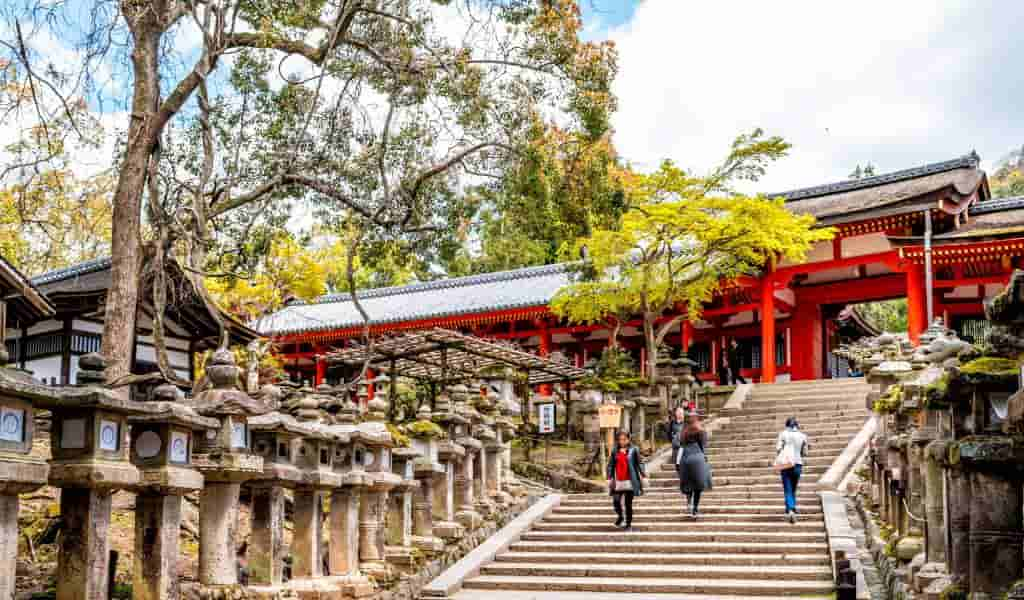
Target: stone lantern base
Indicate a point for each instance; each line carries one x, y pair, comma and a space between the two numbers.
330, 588
449, 530
400, 556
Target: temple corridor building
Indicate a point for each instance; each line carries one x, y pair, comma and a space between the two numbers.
785, 320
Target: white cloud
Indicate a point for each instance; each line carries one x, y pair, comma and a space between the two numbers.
894, 83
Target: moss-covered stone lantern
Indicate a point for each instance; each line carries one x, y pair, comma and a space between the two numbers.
377, 461
275, 438
161, 448
450, 454
425, 436
89, 449
226, 461
20, 473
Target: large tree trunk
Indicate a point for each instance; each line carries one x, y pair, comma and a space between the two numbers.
126, 250
650, 339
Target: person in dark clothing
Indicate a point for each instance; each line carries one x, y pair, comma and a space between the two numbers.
676, 423
625, 478
723, 367
735, 362
692, 463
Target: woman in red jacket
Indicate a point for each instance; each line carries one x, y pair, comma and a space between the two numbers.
625, 478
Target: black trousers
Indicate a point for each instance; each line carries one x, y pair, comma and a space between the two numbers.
617, 498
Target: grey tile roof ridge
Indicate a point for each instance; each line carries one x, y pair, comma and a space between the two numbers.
997, 205
82, 268
967, 161
439, 284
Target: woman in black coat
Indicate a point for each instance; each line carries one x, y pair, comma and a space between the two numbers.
625, 478
692, 463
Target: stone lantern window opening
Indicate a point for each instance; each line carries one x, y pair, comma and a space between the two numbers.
283, 450
998, 404
88, 433
325, 456
180, 447
239, 434
16, 426
160, 444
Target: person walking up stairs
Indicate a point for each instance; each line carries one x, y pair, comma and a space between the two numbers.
742, 547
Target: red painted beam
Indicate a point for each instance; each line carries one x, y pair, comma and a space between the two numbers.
889, 258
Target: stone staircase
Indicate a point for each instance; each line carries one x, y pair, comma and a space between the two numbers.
740, 547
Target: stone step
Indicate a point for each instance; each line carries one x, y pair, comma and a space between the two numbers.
562, 595
622, 537
769, 514
727, 467
660, 548
819, 453
717, 496
836, 383
755, 442
806, 420
812, 431
626, 558
783, 414
647, 585
660, 570
676, 507
810, 397
767, 477
706, 523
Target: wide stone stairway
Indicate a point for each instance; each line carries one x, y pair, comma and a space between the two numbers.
740, 547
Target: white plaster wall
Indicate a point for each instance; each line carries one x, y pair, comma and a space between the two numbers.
963, 291
148, 354
46, 370
45, 327
743, 318
89, 326
832, 275
860, 245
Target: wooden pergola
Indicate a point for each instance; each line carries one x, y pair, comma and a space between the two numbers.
443, 356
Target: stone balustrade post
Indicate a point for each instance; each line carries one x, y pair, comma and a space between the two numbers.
997, 528
958, 490
399, 519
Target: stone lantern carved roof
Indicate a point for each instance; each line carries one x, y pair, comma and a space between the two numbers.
284, 423
225, 398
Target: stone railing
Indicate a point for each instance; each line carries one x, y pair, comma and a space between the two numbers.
946, 465
398, 496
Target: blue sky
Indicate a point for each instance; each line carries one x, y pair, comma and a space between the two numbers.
897, 84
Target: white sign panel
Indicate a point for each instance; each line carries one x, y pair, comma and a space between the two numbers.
12, 424
546, 418
109, 433
179, 447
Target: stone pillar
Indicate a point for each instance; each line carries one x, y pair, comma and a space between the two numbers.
424, 539
344, 526
934, 504
218, 522
997, 533
8, 539
466, 514
371, 530
399, 518
84, 553
958, 512
266, 542
307, 539
494, 469
157, 529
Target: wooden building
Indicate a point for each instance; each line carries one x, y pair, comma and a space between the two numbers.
49, 346
785, 321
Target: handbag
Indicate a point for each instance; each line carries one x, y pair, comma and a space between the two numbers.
623, 486
784, 460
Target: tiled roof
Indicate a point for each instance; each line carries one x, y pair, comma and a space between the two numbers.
82, 268
518, 288
968, 161
1000, 205
25, 298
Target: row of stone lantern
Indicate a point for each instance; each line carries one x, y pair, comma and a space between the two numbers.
384, 502
947, 461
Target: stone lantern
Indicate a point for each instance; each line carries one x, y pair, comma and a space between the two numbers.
275, 437
377, 462
450, 454
161, 448
226, 461
494, 447
429, 472
20, 473
343, 522
89, 463
400, 506
482, 430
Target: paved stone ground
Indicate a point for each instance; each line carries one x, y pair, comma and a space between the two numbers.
740, 547
876, 585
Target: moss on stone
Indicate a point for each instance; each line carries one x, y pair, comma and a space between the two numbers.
953, 592
936, 394
992, 366
425, 429
400, 439
890, 402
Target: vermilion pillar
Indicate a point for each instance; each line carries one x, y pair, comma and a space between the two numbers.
321, 371
917, 321
767, 330
544, 349
687, 335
